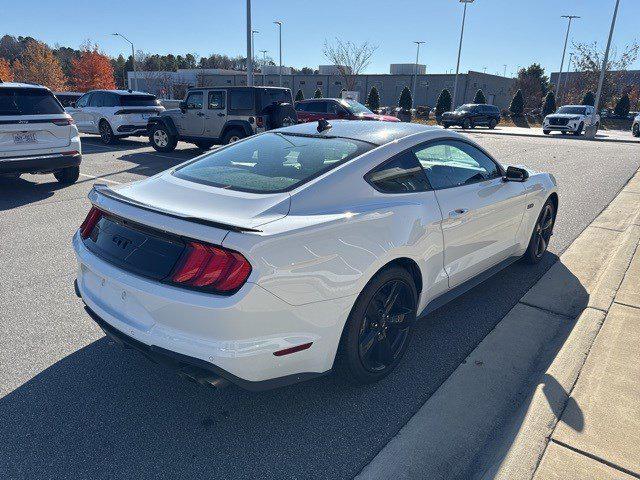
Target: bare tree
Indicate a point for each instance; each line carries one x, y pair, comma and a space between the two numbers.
588, 61
349, 59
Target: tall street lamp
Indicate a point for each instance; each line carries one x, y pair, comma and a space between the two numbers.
133, 58
564, 50
279, 24
253, 47
249, 47
591, 130
415, 72
455, 82
566, 77
264, 57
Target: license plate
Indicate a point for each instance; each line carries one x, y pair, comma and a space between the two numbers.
24, 137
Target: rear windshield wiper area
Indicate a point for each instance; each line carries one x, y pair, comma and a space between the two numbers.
103, 189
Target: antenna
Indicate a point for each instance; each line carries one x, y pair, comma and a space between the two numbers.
323, 125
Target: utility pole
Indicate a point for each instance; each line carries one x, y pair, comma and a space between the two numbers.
566, 77
455, 82
279, 24
564, 50
415, 73
264, 57
249, 47
591, 131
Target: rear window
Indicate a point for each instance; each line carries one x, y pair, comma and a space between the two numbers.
241, 99
273, 162
275, 95
138, 101
28, 101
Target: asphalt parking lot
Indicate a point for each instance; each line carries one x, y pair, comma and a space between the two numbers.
73, 405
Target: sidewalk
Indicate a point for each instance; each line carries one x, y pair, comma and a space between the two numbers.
553, 392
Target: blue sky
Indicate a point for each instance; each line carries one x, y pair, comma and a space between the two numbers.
498, 32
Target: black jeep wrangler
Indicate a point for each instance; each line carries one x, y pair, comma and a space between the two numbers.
214, 115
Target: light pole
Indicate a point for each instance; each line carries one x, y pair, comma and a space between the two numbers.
455, 82
249, 47
253, 48
415, 72
566, 77
279, 24
505, 71
564, 50
133, 58
591, 130
264, 57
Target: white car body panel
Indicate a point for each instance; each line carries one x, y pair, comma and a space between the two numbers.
316, 248
573, 120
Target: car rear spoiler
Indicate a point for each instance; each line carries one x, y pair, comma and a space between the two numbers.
104, 190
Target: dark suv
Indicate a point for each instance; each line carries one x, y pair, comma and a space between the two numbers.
211, 115
471, 115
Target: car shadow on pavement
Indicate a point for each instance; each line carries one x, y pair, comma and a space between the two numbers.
15, 192
106, 412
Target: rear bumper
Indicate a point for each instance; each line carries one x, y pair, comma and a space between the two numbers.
206, 336
39, 163
132, 130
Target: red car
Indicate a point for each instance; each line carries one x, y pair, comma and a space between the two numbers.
333, 108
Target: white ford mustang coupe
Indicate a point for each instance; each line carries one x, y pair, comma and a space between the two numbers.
306, 249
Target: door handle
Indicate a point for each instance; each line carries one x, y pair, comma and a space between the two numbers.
458, 212
221, 114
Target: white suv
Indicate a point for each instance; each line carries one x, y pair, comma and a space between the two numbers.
36, 135
571, 118
114, 114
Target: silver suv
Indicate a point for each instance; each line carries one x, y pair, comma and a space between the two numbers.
221, 115
36, 135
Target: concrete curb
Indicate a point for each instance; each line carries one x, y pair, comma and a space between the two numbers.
492, 418
582, 138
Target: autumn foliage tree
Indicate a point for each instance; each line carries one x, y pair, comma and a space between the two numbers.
5, 71
92, 70
38, 64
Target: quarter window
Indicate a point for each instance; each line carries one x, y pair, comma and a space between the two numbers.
83, 101
241, 99
452, 164
194, 101
216, 100
401, 174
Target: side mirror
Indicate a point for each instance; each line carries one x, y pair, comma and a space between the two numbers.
515, 174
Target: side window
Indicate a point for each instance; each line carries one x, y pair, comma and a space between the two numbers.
301, 107
452, 164
401, 174
217, 100
241, 99
317, 107
96, 99
83, 100
333, 108
194, 101
110, 100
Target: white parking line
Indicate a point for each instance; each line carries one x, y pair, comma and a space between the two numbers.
100, 178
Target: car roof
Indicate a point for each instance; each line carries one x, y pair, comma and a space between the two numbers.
377, 133
316, 99
123, 92
21, 85
238, 87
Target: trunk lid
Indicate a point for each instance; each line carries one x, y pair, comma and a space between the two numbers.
29, 133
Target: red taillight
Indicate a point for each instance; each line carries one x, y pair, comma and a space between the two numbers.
61, 122
92, 218
211, 268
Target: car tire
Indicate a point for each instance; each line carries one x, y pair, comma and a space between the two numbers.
542, 231
546, 132
106, 133
233, 135
446, 125
636, 130
204, 145
379, 328
579, 130
466, 124
492, 123
161, 139
67, 176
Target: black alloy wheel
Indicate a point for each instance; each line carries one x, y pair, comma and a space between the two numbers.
106, 134
379, 328
541, 235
